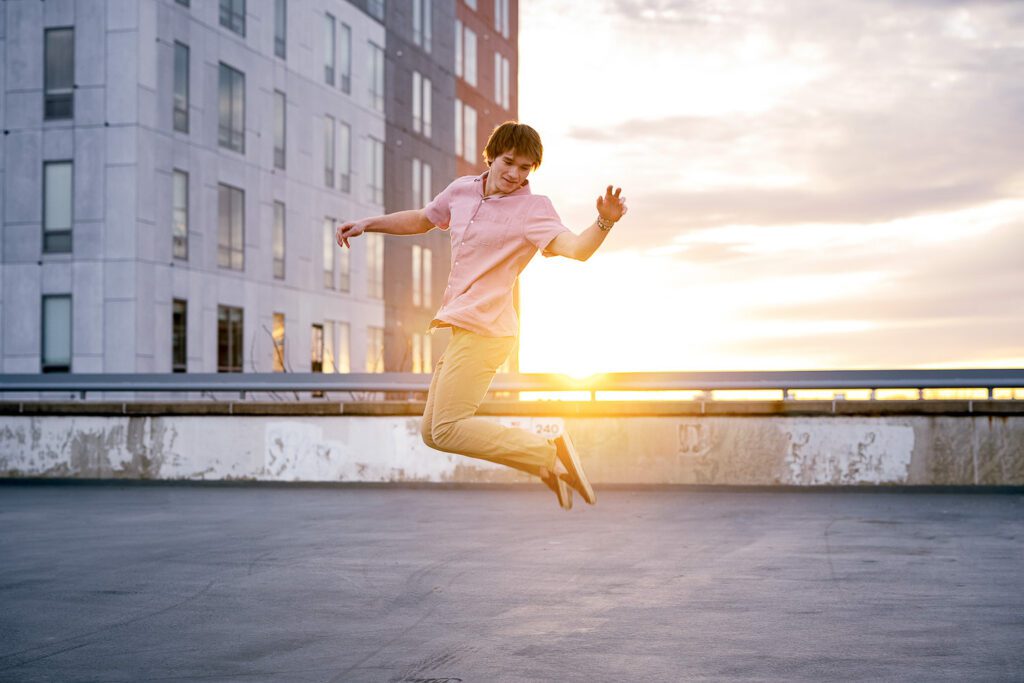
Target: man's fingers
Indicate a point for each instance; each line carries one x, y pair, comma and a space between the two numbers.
617, 191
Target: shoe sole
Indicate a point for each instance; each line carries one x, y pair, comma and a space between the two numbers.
575, 468
562, 492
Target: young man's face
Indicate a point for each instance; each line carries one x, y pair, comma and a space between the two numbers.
509, 171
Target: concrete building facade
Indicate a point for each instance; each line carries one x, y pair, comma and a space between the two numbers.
173, 140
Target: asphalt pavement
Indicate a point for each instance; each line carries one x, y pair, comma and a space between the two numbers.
181, 583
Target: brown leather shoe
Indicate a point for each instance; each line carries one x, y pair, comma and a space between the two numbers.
574, 475
558, 485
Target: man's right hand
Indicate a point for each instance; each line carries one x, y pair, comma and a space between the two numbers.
347, 231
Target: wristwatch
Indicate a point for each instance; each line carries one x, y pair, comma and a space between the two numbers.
603, 224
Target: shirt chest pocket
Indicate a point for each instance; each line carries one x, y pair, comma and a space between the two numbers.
487, 232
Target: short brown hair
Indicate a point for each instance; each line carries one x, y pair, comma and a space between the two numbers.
515, 136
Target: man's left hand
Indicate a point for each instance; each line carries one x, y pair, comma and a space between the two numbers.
611, 206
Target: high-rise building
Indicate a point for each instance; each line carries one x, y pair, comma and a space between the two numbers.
171, 172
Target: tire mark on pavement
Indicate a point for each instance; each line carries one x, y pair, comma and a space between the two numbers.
87, 634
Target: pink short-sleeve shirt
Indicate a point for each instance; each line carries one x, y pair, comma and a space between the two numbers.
493, 238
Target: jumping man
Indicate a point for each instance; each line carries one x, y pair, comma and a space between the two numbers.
496, 225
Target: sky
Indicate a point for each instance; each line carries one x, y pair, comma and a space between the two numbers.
811, 185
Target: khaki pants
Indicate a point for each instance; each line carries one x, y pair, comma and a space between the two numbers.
460, 382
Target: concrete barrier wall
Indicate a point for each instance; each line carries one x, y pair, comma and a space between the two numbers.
651, 444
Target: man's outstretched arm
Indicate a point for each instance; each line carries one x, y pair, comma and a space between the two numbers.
610, 208
412, 222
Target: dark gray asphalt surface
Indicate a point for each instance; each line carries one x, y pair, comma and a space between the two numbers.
167, 583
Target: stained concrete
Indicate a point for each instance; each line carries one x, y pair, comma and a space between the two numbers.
779, 445
184, 583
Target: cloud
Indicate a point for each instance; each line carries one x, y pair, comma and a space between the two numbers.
919, 110
865, 151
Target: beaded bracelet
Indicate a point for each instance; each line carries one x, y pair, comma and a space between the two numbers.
603, 224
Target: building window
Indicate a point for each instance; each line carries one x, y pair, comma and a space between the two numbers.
328, 252
465, 53
421, 184
345, 157
459, 127
343, 353
232, 15
465, 131
422, 28
336, 346
421, 104
55, 354
278, 240
180, 87
328, 151
179, 216
232, 109
375, 166
376, 77
183, 3
422, 273
375, 349
229, 339
281, 28
231, 230
421, 356
375, 8
57, 213
330, 49
375, 265
343, 258
316, 349
501, 80
59, 73
459, 52
278, 336
280, 140
179, 336
471, 4
469, 56
501, 17
346, 58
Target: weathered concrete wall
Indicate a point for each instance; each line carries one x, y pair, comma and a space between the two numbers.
671, 449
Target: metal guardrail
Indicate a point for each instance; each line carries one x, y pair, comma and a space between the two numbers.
617, 381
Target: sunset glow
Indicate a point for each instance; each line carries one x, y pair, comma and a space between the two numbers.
807, 190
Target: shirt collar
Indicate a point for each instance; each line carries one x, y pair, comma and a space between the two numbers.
482, 179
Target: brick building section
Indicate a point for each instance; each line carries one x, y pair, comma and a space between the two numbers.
410, 57
406, 320
481, 97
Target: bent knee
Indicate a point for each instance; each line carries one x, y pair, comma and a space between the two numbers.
425, 434
441, 434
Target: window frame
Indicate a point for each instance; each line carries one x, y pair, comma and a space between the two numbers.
58, 240
58, 100
180, 115
179, 238
229, 137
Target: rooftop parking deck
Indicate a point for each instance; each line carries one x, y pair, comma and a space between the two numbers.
172, 582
